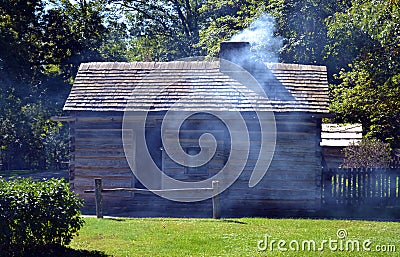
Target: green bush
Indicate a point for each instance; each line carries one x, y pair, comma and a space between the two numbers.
36, 214
368, 153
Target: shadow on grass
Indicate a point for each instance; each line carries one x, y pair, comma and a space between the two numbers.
233, 221
116, 219
59, 251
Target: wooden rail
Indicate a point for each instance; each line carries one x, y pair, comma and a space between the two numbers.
99, 190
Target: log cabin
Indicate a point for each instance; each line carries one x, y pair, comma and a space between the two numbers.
334, 138
297, 96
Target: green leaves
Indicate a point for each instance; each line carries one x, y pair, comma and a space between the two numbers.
36, 213
367, 34
42, 45
162, 30
226, 18
368, 153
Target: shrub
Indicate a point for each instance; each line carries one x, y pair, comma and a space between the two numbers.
368, 153
35, 214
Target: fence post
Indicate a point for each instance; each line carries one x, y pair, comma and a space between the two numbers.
393, 186
215, 200
98, 197
326, 187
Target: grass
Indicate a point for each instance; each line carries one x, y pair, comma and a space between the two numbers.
14, 173
229, 237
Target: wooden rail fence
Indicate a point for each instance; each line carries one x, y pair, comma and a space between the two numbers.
99, 190
377, 187
367, 187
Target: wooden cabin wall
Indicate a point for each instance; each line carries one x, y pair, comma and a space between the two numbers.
332, 156
97, 152
291, 186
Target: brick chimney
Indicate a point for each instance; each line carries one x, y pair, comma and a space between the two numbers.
231, 50
235, 52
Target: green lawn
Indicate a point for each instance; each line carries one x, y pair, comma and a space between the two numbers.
15, 173
33, 173
234, 237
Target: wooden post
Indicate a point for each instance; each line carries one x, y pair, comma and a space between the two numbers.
326, 186
98, 197
392, 190
215, 200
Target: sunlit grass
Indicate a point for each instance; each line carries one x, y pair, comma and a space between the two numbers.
228, 237
16, 173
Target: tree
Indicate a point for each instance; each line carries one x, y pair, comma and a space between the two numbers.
162, 30
302, 24
76, 32
19, 51
42, 44
227, 18
369, 91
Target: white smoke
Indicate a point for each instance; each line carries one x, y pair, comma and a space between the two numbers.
261, 36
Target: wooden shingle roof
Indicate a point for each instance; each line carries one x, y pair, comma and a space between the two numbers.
196, 86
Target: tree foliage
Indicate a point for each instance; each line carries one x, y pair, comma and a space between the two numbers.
225, 19
162, 30
42, 44
300, 24
370, 87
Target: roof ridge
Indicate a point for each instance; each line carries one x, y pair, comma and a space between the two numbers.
149, 65
295, 66
191, 65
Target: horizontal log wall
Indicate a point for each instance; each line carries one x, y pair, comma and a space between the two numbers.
97, 152
290, 187
332, 157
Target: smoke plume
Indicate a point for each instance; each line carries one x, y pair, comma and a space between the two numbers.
260, 34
